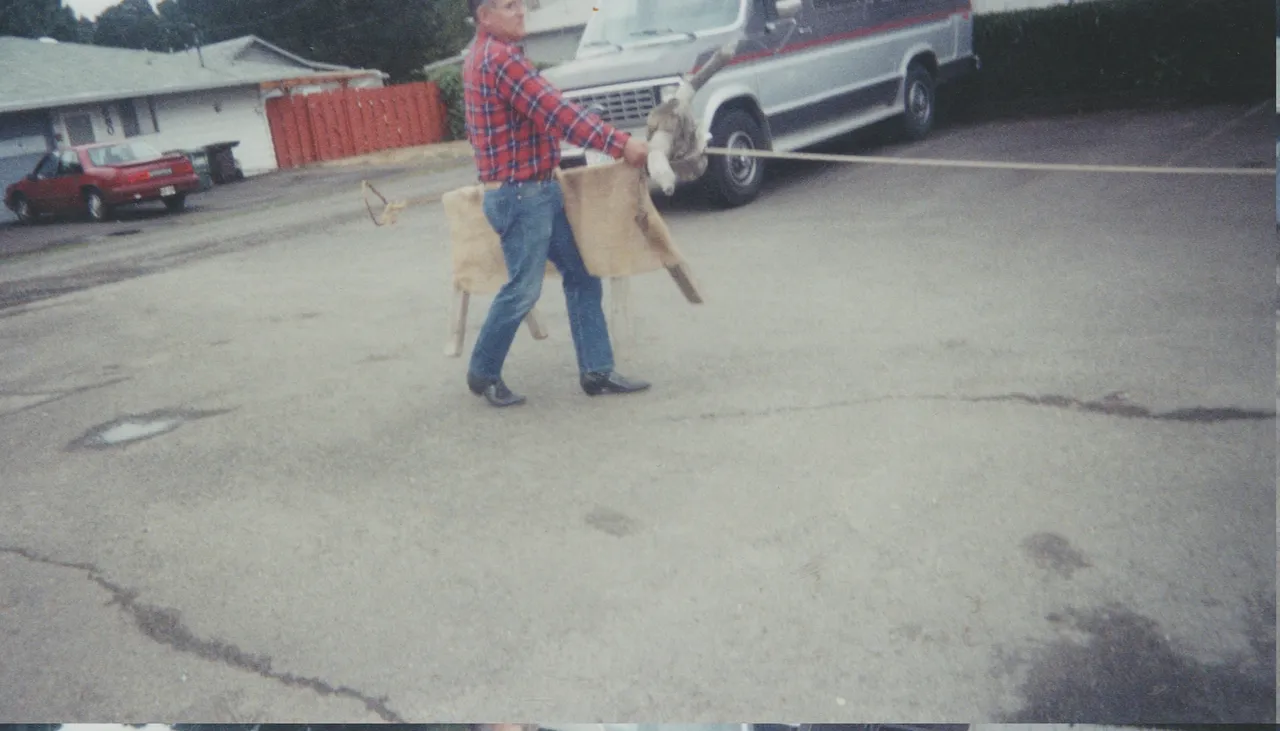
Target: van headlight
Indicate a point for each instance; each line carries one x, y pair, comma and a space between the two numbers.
667, 92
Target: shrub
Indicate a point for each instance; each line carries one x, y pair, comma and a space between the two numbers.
449, 79
1127, 50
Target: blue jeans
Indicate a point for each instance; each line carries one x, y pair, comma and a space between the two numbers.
530, 220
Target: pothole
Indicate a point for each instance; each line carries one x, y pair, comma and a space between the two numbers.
136, 428
125, 232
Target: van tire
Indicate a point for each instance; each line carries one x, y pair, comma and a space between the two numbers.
919, 102
731, 182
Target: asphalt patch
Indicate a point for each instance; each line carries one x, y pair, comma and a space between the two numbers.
618, 525
134, 428
1127, 672
1052, 552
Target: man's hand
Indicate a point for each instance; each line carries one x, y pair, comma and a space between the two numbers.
636, 153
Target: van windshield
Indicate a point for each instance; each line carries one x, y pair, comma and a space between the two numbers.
621, 22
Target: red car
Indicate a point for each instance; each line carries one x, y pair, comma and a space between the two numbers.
93, 179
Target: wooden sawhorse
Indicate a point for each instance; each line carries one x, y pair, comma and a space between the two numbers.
620, 328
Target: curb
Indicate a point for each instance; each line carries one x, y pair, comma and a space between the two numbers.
455, 151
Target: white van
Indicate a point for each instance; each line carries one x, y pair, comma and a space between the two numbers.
805, 71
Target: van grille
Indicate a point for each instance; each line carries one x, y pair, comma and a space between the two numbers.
623, 108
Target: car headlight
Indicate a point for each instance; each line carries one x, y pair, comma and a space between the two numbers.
667, 92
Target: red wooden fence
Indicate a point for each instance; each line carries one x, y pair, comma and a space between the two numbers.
347, 122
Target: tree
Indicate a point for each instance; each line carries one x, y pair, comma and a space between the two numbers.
37, 19
396, 36
448, 29
131, 24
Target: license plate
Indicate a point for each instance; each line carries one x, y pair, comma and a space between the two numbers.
168, 190
161, 172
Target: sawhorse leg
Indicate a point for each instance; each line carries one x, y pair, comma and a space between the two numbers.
620, 324
458, 323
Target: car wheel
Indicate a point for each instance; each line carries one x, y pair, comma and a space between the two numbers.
23, 210
96, 208
176, 203
735, 181
918, 102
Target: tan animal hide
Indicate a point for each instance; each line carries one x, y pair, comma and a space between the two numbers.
618, 229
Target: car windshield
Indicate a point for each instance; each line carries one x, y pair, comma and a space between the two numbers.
125, 153
620, 22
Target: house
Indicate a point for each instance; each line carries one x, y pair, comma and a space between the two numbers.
55, 93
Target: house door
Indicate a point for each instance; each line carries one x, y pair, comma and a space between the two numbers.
79, 129
129, 119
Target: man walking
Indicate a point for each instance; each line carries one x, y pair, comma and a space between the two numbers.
515, 120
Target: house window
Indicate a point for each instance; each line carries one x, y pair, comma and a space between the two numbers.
129, 118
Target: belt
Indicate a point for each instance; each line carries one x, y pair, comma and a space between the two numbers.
496, 184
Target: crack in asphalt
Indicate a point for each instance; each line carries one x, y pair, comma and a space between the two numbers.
55, 396
1122, 408
164, 626
1107, 406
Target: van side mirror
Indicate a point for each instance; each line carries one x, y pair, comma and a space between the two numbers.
788, 9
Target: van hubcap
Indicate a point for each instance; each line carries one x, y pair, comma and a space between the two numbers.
24, 210
742, 169
95, 206
918, 102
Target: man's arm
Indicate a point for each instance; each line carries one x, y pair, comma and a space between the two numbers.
535, 98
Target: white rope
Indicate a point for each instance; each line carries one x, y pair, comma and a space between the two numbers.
924, 162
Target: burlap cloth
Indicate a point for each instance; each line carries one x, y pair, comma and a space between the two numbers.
618, 229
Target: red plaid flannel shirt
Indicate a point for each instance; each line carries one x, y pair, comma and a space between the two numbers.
515, 118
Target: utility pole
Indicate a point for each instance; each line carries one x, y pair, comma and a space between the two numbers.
198, 39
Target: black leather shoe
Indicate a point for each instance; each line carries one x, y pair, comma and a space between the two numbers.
596, 384
494, 391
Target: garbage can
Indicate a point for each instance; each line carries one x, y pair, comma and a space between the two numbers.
200, 161
222, 162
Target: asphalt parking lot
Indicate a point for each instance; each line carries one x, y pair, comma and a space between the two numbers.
941, 444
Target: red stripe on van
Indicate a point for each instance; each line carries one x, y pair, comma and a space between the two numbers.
861, 32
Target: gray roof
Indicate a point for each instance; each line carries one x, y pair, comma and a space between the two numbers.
40, 75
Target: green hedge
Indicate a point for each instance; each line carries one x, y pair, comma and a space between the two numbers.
449, 79
1120, 52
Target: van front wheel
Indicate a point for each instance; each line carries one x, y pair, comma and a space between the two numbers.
730, 180
918, 102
